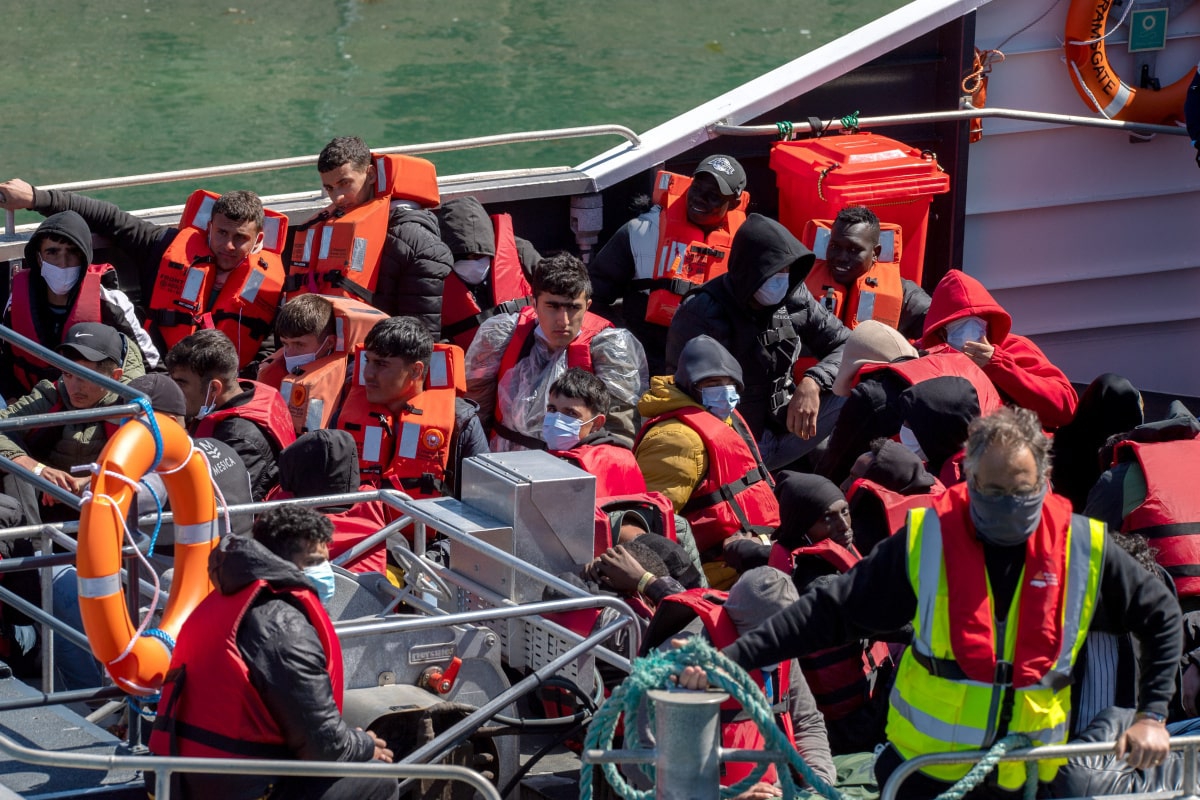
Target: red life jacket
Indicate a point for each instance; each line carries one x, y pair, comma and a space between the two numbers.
349, 528
737, 730
510, 291
616, 470
685, 256
941, 361
737, 491
895, 505
312, 391
1039, 618
951, 473
340, 255
209, 708
1170, 515
877, 295
654, 507
244, 309
266, 409
28, 368
842, 677
410, 451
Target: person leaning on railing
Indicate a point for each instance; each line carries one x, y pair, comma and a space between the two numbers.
974, 672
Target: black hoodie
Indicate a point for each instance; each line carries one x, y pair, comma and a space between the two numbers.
286, 667
724, 308
467, 230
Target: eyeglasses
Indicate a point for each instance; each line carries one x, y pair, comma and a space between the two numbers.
1023, 493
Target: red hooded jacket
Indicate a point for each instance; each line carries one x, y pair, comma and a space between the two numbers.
1019, 369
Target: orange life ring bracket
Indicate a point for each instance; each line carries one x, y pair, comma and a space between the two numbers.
1099, 84
138, 663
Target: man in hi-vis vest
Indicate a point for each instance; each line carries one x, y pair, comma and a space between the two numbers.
1001, 583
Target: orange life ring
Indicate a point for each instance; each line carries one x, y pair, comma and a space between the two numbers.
139, 664
1099, 84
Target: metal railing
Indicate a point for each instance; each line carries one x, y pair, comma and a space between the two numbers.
275, 164
164, 767
1190, 745
967, 112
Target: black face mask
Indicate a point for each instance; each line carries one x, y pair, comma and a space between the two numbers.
1006, 520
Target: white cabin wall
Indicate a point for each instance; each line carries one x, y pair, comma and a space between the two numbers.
1090, 242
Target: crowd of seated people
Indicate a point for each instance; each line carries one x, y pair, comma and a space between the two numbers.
742, 431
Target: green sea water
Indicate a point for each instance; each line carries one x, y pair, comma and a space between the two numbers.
102, 88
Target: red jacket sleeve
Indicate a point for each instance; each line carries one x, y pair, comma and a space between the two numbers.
1021, 371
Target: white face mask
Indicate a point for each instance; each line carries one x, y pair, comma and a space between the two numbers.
206, 407
909, 440
60, 279
294, 363
773, 290
473, 270
967, 329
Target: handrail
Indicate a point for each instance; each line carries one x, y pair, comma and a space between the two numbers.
1190, 745
164, 766
967, 112
270, 165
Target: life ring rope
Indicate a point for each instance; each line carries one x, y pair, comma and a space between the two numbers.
1098, 83
162, 447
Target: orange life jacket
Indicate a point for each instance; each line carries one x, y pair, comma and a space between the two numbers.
340, 255
737, 491
462, 313
28, 368
312, 391
244, 309
842, 677
686, 255
409, 452
1039, 617
209, 707
266, 409
877, 295
738, 731
1170, 515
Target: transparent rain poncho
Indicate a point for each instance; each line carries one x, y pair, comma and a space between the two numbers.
520, 394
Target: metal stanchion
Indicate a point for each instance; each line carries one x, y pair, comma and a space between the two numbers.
687, 730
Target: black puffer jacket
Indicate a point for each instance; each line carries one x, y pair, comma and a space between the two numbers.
724, 308
258, 451
1102, 775
286, 665
413, 267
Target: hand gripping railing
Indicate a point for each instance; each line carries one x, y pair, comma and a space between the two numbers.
164, 766
1190, 745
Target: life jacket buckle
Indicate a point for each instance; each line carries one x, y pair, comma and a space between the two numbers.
1004, 673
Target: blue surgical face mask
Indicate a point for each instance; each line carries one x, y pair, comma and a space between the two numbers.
967, 329
561, 432
773, 290
720, 400
207, 407
322, 575
1008, 519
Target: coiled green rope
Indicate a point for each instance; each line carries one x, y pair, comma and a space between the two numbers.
655, 672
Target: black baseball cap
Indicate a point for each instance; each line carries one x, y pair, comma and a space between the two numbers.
165, 395
727, 171
93, 341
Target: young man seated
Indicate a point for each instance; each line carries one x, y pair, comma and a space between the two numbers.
403, 410
248, 416
574, 431
516, 357
52, 452
310, 369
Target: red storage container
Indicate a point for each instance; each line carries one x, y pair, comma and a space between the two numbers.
817, 178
